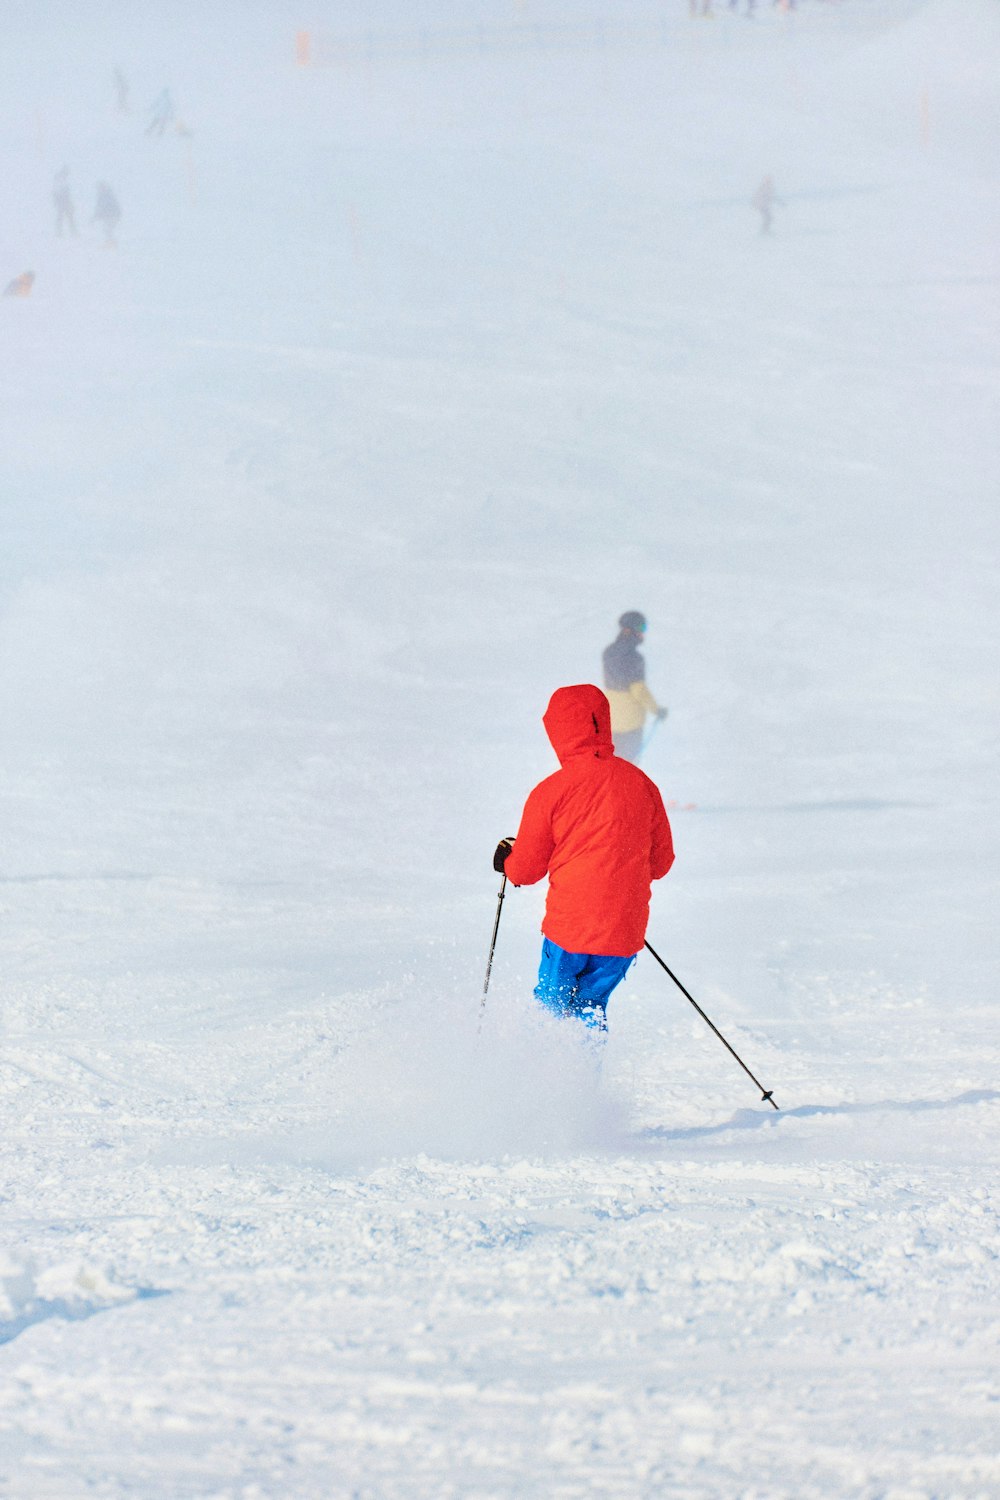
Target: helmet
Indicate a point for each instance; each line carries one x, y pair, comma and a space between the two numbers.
633, 620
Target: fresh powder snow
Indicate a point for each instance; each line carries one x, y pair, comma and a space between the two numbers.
426, 339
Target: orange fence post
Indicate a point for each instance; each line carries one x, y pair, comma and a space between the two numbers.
303, 48
21, 285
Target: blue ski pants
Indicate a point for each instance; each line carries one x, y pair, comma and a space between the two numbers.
579, 984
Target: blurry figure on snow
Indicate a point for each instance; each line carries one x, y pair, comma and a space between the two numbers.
121, 91
598, 829
764, 200
62, 197
625, 685
107, 212
21, 285
162, 113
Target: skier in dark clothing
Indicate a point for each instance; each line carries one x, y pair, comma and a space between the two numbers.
764, 200
62, 197
107, 211
625, 685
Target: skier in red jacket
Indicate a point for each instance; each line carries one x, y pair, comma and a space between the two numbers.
598, 829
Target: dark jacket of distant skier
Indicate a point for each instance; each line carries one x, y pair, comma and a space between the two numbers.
625, 685
598, 829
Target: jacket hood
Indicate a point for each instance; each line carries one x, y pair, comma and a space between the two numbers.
578, 722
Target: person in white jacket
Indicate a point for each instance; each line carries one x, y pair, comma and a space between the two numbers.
625, 686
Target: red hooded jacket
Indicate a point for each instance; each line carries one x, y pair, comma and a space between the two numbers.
597, 828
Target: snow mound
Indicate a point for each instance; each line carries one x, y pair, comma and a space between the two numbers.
69, 1290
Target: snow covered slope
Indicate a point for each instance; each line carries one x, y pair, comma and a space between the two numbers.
406, 377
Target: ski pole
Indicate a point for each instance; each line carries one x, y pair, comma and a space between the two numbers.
652, 730
493, 943
764, 1093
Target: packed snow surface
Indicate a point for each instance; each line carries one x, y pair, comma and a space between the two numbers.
431, 338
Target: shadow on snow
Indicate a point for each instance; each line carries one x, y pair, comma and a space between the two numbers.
68, 1312
756, 1119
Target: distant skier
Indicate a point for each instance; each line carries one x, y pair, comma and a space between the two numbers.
107, 212
598, 829
62, 197
21, 285
764, 200
625, 685
162, 112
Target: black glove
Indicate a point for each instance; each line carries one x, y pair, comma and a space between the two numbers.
661, 713
500, 857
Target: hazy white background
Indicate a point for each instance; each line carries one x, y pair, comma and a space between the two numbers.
407, 376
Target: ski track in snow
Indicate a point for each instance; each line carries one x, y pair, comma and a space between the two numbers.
407, 376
